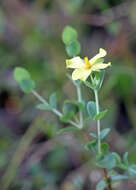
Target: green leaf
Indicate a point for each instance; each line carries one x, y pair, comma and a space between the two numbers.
70, 106
93, 135
68, 117
73, 49
132, 171
101, 185
105, 148
69, 35
92, 146
101, 115
53, 100
117, 158
118, 178
27, 85
21, 74
80, 105
107, 162
90, 85
104, 133
125, 159
43, 107
91, 108
67, 130
99, 79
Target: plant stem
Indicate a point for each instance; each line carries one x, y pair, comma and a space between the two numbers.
98, 121
58, 113
107, 177
79, 94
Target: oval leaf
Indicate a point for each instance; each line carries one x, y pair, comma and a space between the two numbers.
21, 74
91, 108
27, 85
104, 133
100, 115
93, 135
69, 35
73, 49
107, 162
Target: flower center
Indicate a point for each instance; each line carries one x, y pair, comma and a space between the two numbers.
87, 63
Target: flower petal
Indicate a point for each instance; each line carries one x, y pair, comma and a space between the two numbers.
97, 67
81, 74
101, 54
74, 63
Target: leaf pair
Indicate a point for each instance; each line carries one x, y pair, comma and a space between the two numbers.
69, 37
23, 78
91, 108
52, 103
103, 133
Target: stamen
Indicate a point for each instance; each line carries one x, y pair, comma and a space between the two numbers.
87, 63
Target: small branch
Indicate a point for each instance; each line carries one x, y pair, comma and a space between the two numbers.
79, 94
58, 113
107, 178
98, 121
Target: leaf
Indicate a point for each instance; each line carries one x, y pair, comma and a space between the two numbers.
101, 115
88, 84
117, 158
92, 146
132, 171
21, 74
67, 130
69, 107
104, 133
73, 49
27, 85
101, 185
118, 178
91, 108
93, 135
69, 35
125, 159
80, 105
107, 162
43, 107
53, 100
100, 80
66, 118
105, 148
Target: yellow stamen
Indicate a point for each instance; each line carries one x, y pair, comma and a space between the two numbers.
87, 63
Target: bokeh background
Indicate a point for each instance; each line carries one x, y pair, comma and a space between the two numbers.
32, 156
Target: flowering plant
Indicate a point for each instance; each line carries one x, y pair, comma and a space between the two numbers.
88, 72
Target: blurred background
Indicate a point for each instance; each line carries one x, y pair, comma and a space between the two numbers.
32, 156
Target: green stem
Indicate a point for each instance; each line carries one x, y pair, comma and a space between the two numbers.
98, 121
58, 113
79, 94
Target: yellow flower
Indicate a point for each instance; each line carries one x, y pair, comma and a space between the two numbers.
83, 68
